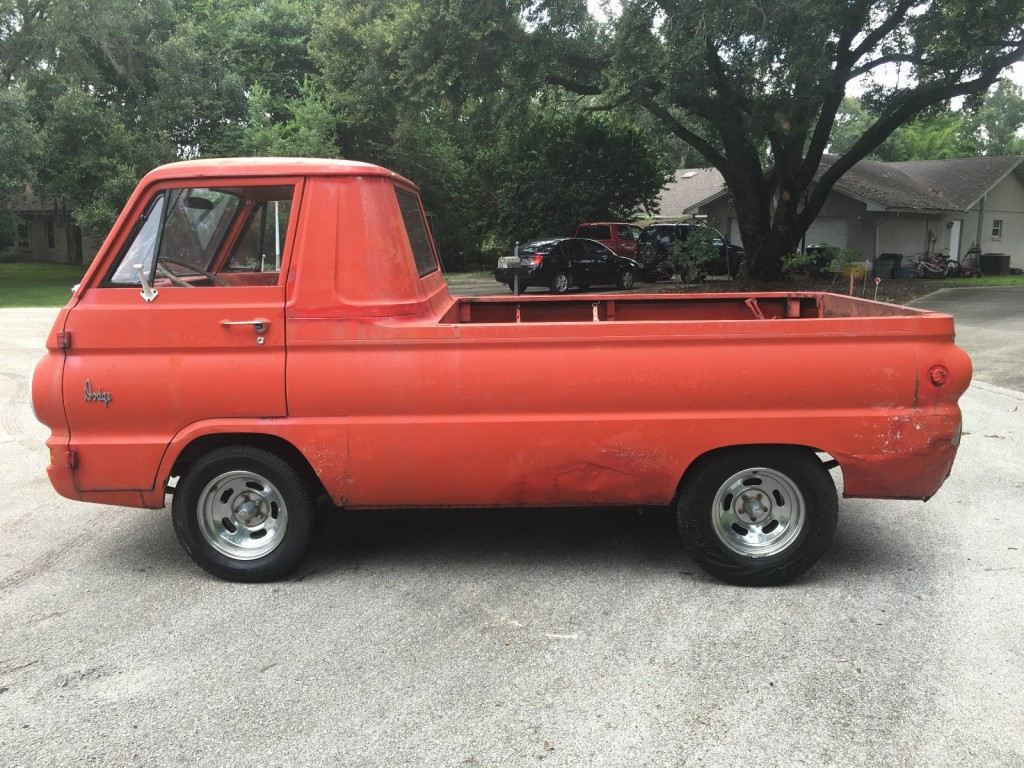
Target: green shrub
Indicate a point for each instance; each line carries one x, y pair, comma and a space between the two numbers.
691, 256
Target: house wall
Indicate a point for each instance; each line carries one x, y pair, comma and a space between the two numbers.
873, 232
39, 246
1005, 201
860, 232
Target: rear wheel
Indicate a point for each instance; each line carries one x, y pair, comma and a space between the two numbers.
243, 514
560, 282
758, 516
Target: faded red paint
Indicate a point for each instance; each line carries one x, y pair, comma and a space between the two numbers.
398, 394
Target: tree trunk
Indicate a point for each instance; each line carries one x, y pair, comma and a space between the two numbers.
765, 261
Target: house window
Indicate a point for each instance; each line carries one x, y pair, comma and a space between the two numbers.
51, 236
23, 234
997, 229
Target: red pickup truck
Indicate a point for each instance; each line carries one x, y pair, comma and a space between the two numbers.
620, 236
256, 335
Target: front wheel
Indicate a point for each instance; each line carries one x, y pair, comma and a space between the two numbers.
243, 514
758, 516
627, 279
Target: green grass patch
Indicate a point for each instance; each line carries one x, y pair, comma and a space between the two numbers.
37, 285
978, 282
461, 278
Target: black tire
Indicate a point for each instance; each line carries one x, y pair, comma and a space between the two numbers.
522, 288
702, 522
627, 279
290, 498
560, 282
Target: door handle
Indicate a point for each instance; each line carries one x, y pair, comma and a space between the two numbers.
260, 326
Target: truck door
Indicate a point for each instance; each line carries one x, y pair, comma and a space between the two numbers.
185, 324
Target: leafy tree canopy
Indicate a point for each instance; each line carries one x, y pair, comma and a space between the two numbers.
756, 87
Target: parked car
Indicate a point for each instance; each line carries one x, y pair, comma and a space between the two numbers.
657, 241
620, 236
565, 262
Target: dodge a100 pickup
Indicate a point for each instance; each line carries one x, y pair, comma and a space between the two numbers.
258, 336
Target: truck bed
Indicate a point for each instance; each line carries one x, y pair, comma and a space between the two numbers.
667, 308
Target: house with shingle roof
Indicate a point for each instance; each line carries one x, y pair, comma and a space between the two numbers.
907, 207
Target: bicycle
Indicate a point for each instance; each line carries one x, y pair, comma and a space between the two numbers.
934, 264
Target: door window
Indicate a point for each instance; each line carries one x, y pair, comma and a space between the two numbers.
625, 232
596, 251
201, 236
573, 249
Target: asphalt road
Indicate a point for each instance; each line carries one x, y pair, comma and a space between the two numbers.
486, 638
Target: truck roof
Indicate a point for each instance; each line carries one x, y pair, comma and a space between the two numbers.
269, 166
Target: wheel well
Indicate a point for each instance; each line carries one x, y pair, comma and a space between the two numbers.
272, 443
707, 456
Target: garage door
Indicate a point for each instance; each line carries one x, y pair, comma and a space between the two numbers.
828, 230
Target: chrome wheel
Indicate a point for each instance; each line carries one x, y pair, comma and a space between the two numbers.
758, 512
242, 515
560, 283
627, 279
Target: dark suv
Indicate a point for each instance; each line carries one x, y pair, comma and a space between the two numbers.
658, 240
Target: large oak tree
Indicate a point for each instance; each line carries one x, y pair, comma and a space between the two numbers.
755, 85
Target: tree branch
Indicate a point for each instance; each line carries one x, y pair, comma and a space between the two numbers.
585, 89
875, 36
923, 97
889, 59
696, 141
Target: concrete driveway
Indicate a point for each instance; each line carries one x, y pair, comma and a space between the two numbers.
990, 325
487, 638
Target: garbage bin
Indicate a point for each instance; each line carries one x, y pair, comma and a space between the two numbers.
896, 258
995, 264
886, 264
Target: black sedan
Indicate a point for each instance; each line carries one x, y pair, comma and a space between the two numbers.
566, 262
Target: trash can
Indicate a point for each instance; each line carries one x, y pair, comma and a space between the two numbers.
886, 264
995, 264
896, 258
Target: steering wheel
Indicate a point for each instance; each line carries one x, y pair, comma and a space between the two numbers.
172, 277
215, 279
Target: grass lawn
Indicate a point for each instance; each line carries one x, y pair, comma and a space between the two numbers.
49, 285
37, 285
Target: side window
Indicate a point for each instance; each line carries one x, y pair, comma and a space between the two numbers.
573, 249
595, 250
625, 232
261, 243
595, 232
202, 236
419, 241
140, 253
636, 231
